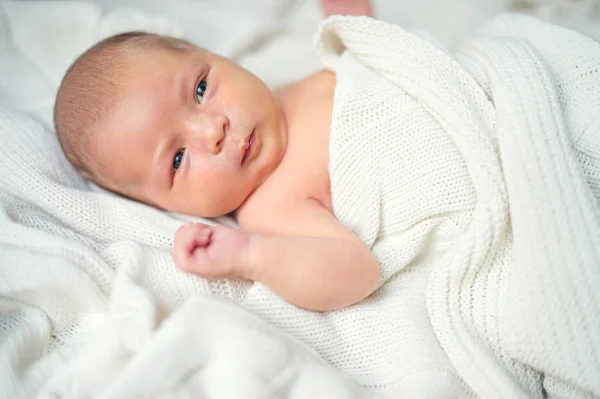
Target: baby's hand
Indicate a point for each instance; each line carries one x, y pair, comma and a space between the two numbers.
211, 251
347, 7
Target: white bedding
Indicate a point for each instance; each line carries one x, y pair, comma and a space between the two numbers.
480, 172
90, 301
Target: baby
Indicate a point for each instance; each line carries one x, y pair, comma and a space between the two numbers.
163, 122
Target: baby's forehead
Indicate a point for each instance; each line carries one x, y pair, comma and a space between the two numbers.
153, 57
149, 75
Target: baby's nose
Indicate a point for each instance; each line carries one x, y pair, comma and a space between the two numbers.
213, 132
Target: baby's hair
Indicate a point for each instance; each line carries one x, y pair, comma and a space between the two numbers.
89, 89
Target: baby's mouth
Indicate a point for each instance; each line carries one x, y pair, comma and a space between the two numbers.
249, 146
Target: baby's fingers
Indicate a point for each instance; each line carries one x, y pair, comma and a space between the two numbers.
187, 239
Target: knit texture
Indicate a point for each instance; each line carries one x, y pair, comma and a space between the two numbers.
490, 163
474, 179
92, 305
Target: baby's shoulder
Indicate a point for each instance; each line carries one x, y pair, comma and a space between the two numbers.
271, 201
319, 83
303, 216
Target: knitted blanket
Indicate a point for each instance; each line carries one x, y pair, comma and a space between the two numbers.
474, 179
482, 172
91, 304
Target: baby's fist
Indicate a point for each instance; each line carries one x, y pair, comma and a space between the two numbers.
211, 251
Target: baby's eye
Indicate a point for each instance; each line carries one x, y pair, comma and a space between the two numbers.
200, 91
178, 159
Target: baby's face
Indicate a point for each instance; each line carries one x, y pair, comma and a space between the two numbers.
192, 132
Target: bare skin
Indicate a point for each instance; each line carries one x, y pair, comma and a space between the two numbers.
346, 7
238, 148
290, 240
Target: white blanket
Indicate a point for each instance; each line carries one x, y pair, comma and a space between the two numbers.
483, 174
92, 304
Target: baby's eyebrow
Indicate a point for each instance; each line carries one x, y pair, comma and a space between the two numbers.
187, 78
184, 84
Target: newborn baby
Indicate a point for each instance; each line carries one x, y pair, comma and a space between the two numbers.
163, 122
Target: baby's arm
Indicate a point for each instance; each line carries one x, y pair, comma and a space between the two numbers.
313, 262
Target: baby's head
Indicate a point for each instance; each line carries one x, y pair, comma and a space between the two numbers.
161, 121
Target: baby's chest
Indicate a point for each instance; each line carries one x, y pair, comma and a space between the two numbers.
307, 157
303, 173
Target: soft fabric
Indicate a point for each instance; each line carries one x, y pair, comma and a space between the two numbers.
92, 303
205, 347
483, 174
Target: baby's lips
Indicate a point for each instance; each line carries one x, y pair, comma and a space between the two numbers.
246, 145
242, 146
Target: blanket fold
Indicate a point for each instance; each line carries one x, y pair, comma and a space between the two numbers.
514, 300
474, 178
